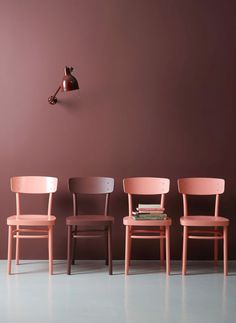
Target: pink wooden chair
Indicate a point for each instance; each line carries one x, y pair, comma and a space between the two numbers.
154, 229
32, 185
203, 186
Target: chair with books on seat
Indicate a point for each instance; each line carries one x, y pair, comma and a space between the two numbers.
213, 227
31, 226
80, 226
156, 223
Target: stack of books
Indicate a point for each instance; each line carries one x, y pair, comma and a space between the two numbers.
149, 212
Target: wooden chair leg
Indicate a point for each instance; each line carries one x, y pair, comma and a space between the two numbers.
127, 249
130, 245
161, 248
225, 233
106, 247
69, 238
167, 250
215, 250
110, 249
74, 247
17, 247
9, 254
50, 249
184, 255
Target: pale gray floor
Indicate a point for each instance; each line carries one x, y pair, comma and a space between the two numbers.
91, 295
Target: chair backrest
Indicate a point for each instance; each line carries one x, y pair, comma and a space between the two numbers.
91, 185
145, 186
33, 185
201, 186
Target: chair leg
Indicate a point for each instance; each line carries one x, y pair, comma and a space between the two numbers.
69, 238
225, 251
17, 247
161, 248
127, 249
130, 245
167, 250
106, 247
215, 250
184, 255
9, 254
74, 245
50, 249
110, 249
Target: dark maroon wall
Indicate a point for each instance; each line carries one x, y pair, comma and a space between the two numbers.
157, 98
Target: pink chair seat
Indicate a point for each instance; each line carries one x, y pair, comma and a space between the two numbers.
204, 221
31, 220
130, 221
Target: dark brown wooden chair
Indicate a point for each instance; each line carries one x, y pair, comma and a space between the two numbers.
89, 225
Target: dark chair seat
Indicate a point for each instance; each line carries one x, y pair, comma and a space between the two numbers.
89, 220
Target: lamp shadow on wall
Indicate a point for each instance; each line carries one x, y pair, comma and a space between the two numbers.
68, 104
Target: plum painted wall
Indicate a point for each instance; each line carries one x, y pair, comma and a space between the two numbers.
157, 98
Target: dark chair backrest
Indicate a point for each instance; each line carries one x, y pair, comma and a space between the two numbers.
91, 185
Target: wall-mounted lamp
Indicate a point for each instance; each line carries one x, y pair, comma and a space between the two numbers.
69, 83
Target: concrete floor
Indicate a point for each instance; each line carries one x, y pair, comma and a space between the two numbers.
91, 295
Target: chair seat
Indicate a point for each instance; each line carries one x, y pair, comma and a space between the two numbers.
204, 221
89, 220
128, 220
31, 220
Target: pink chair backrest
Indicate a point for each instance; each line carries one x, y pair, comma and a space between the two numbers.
34, 184
146, 185
201, 186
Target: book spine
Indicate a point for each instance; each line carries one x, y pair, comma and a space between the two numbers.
151, 212
150, 209
148, 217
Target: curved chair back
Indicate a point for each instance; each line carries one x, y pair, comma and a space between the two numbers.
145, 186
201, 186
34, 184
91, 185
